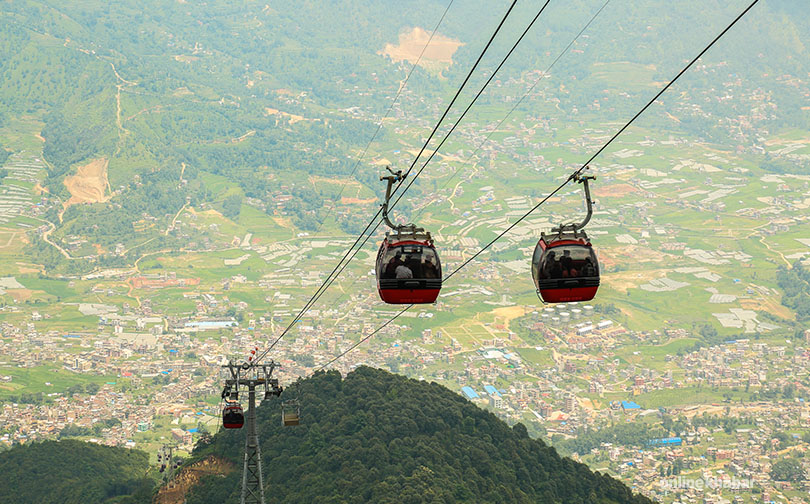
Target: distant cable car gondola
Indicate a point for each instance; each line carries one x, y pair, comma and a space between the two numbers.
408, 267
232, 415
290, 413
291, 409
564, 265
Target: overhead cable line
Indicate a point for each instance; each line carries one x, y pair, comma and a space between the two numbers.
331, 277
455, 97
536, 82
339, 356
472, 102
322, 288
327, 282
468, 108
387, 112
526, 94
346, 263
567, 180
494, 73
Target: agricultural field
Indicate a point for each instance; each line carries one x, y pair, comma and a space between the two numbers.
179, 209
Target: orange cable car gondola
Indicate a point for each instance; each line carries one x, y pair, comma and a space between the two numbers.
408, 268
564, 265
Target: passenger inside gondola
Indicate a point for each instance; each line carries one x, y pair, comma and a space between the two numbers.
556, 270
429, 269
411, 261
403, 271
588, 269
575, 261
394, 262
413, 265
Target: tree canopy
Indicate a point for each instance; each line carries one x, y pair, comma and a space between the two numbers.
74, 472
795, 282
380, 437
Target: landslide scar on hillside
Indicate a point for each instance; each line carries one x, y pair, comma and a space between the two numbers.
175, 491
438, 55
89, 184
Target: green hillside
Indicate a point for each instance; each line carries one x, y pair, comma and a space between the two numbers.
166, 165
371, 437
380, 437
171, 94
73, 472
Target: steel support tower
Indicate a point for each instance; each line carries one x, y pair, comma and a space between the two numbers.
249, 376
252, 480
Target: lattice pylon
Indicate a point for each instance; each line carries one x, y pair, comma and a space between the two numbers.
252, 480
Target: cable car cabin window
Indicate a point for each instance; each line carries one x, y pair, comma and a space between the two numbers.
536, 259
567, 261
411, 261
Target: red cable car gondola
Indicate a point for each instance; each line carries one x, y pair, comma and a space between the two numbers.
408, 268
232, 415
564, 264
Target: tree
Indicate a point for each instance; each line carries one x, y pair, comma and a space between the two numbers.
709, 332
789, 469
232, 206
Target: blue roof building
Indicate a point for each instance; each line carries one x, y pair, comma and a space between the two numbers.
469, 393
491, 390
629, 405
670, 441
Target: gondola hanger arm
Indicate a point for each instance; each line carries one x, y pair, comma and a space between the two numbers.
576, 227
396, 176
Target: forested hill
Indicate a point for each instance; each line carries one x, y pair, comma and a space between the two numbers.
372, 436
73, 472
380, 437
